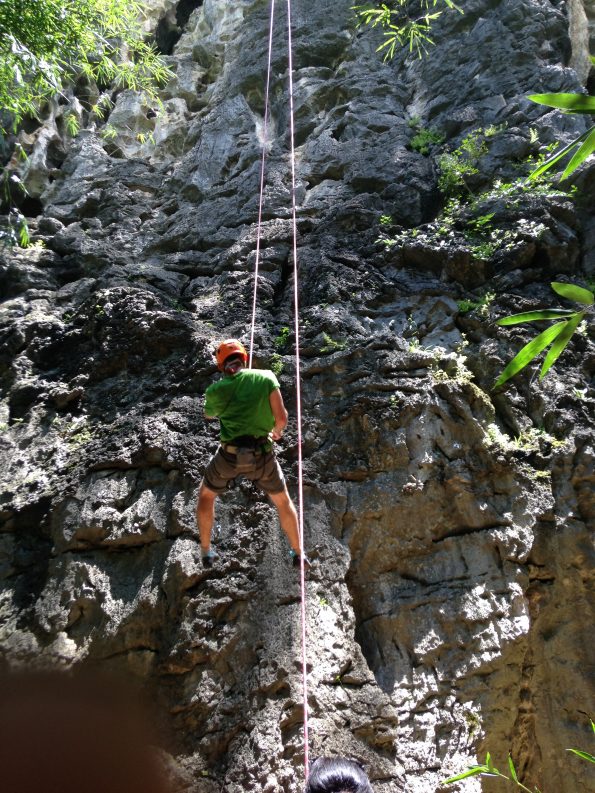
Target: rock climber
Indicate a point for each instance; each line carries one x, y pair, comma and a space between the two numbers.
337, 775
251, 413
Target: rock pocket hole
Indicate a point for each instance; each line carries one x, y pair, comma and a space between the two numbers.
168, 31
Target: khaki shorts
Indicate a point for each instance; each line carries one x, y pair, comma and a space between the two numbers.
260, 467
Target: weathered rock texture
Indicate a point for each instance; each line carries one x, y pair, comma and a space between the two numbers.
450, 602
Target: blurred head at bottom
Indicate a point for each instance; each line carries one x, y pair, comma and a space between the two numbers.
81, 734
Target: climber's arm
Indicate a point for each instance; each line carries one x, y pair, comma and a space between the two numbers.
279, 413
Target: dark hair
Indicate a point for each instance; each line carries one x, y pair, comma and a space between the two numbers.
337, 775
235, 356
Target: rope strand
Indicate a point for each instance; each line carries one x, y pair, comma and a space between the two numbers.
298, 393
296, 333
262, 169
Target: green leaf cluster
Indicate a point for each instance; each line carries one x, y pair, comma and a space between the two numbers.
424, 139
582, 146
557, 335
282, 339
456, 165
47, 43
488, 769
405, 24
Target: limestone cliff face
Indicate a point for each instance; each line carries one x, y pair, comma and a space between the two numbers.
450, 602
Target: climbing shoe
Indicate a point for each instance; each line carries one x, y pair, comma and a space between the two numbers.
209, 558
295, 559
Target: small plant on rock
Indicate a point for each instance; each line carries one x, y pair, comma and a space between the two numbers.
332, 345
481, 305
461, 163
72, 123
424, 139
282, 338
277, 364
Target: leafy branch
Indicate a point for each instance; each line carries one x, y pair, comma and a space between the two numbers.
582, 146
401, 28
46, 44
488, 769
557, 335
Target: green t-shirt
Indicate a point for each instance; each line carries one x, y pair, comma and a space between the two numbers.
241, 403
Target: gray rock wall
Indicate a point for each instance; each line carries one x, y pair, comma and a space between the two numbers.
449, 607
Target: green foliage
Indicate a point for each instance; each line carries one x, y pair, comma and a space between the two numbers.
585, 755
109, 132
16, 231
48, 43
331, 345
488, 769
481, 305
277, 364
450, 368
145, 137
557, 335
282, 339
406, 23
468, 224
72, 124
456, 165
102, 107
481, 222
424, 139
582, 146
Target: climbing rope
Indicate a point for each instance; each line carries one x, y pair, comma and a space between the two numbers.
298, 390
296, 333
262, 170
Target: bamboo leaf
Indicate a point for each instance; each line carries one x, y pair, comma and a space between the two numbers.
577, 103
557, 156
512, 769
559, 344
529, 352
573, 292
533, 316
581, 155
584, 755
473, 771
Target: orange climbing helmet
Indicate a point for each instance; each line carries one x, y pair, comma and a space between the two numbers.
227, 348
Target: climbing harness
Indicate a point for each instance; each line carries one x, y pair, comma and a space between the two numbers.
296, 332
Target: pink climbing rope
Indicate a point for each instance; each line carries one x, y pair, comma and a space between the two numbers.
262, 170
298, 394
297, 336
